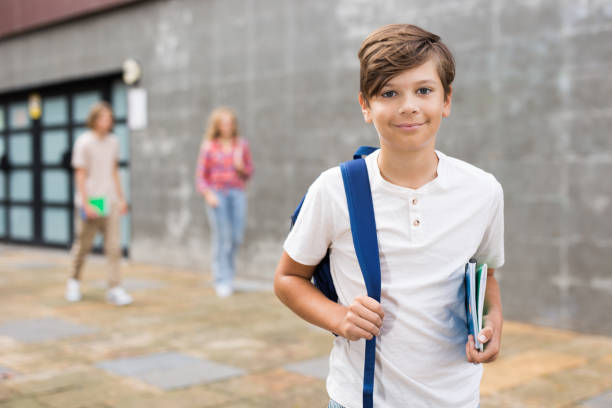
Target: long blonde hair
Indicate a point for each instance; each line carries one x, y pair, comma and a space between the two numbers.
212, 128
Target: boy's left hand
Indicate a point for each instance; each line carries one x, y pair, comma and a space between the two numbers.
490, 336
123, 207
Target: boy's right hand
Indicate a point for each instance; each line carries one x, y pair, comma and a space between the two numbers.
90, 212
363, 319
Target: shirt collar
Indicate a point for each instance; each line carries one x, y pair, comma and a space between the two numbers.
441, 181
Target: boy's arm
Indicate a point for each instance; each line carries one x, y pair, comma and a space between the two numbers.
122, 204
490, 335
80, 176
362, 319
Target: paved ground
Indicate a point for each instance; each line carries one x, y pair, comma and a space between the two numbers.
180, 346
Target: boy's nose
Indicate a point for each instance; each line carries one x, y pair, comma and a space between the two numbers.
408, 106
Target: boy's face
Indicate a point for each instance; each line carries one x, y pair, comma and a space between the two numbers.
104, 121
408, 109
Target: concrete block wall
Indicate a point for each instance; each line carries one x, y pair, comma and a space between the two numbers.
531, 105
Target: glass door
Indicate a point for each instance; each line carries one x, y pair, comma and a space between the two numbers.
19, 173
3, 172
36, 177
55, 174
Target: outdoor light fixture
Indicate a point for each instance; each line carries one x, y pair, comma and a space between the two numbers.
131, 71
34, 106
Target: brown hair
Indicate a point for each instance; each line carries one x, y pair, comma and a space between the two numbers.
394, 48
96, 111
212, 128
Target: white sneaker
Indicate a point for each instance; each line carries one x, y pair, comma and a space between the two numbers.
224, 290
73, 290
118, 296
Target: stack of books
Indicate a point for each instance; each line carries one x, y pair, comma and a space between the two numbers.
475, 286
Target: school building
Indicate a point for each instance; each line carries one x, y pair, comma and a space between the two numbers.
531, 104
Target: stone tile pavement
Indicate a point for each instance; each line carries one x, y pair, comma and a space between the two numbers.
179, 346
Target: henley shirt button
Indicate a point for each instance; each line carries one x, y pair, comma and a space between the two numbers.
414, 201
416, 223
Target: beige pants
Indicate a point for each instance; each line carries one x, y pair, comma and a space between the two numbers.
85, 233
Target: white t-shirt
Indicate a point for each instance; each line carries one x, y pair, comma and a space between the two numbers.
99, 156
425, 237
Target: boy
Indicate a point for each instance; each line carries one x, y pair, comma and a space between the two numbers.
95, 161
433, 213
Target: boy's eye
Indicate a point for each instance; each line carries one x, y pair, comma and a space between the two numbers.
424, 91
389, 94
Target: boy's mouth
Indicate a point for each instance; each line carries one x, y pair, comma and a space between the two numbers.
409, 126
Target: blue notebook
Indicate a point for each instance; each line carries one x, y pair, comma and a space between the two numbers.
475, 286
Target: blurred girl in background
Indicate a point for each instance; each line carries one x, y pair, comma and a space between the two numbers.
224, 167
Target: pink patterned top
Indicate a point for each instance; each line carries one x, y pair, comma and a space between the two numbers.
216, 169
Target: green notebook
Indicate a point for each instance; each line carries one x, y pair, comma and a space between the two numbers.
100, 204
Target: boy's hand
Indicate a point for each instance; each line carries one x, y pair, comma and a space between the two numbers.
123, 207
490, 336
362, 320
90, 212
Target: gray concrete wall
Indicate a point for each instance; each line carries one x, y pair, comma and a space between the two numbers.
531, 104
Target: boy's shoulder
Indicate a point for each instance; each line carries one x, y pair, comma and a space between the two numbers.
86, 135
329, 182
88, 142
83, 140
462, 173
332, 177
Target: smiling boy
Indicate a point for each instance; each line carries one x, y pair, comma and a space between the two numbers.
433, 213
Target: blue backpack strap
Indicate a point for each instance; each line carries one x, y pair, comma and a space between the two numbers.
363, 151
297, 210
365, 240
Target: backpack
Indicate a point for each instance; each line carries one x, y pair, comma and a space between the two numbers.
365, 241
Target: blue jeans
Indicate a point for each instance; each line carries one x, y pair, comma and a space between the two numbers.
227, 229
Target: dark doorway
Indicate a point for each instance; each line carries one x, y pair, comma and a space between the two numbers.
36, 181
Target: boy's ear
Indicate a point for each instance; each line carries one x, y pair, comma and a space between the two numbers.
365, 108
447, 102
